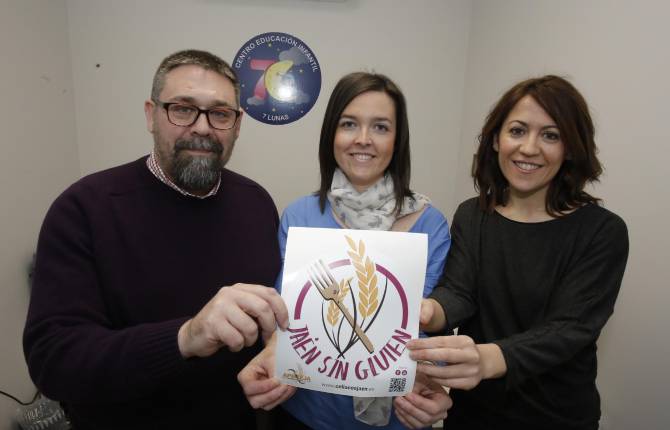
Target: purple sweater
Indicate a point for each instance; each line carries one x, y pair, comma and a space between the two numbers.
122, 262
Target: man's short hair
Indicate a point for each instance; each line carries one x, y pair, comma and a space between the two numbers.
204, 59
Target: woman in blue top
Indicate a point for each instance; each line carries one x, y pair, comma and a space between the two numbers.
364, 158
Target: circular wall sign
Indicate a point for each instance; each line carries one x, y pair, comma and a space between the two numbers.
280, 78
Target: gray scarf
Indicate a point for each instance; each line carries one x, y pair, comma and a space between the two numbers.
373, 209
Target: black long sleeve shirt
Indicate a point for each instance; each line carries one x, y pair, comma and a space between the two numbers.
122, 262
542, 292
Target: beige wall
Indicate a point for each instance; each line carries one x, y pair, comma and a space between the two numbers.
452, 58
129, 38
616, 53
39, 159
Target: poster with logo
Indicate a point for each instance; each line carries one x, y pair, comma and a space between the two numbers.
353, 298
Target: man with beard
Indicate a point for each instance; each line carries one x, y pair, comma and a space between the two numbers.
129, 326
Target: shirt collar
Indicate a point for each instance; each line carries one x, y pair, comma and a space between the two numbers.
155, 169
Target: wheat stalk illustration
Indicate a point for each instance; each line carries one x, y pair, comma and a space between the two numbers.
333, 311
367, 278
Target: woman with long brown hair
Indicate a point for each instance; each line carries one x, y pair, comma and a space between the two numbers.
533, 272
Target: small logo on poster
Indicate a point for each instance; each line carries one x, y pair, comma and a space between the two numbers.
280, 78
297, 375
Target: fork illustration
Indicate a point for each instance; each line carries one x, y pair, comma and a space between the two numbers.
327, 285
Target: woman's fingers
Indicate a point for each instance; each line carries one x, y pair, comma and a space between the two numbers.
440, 342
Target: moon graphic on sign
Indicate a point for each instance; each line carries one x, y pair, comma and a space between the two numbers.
280, 85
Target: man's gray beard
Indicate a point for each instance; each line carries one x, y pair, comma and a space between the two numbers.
196, 173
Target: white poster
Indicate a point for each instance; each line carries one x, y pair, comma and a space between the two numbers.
353, 298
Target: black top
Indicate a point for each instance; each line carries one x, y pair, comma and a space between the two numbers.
122, 262
542, 292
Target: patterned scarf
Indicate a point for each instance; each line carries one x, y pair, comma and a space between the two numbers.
373, 209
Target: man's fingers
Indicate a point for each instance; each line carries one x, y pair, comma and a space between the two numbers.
229, 336
259, 308
270, 309
266, 335
243, 324
233, 318
280, 309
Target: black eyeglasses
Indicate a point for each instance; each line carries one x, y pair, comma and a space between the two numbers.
185, 115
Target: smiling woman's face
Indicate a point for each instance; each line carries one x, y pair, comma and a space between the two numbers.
365, 137
530, 149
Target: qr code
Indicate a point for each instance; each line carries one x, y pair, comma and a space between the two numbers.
397, 385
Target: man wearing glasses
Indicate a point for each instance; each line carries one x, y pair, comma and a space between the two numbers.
128, 325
